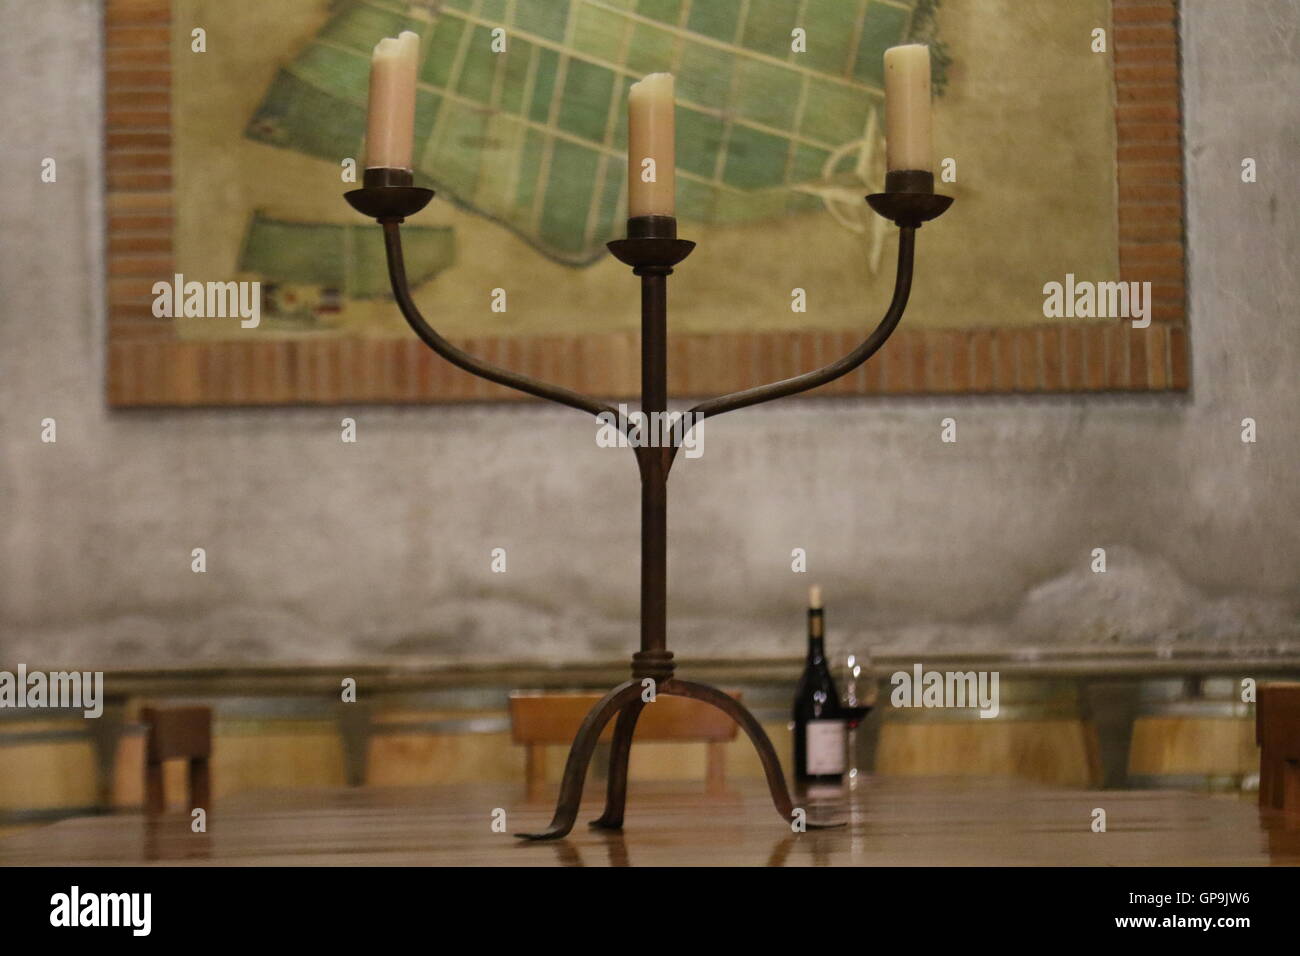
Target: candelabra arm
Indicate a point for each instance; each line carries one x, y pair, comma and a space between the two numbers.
462, 359
802, 383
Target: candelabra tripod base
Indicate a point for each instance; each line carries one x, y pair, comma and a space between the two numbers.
627, 702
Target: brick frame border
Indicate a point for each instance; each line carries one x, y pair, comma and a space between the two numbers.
148, 365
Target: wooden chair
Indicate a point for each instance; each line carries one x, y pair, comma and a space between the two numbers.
177, 733
538, 720
1277, 730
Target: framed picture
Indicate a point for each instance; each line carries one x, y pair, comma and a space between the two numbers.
233, 127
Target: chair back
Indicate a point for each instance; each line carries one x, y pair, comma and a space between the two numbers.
177, 733
1277, 729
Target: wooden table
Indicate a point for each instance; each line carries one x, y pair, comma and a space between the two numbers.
891, 822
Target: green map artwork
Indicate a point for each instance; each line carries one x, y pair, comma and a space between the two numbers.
776, 146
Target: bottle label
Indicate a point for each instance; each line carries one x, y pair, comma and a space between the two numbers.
825, 740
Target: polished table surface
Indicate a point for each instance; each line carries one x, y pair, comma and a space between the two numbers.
890, 822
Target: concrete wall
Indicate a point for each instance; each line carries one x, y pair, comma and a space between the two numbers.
319, 550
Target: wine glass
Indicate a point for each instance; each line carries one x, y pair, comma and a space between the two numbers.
857, 687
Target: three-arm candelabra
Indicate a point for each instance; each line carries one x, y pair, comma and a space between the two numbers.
652, 249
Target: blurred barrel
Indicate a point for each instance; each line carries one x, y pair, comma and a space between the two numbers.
49, 767
1041, 733
440, 737
1193, 734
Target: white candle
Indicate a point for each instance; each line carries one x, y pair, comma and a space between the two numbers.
651, 150
907, 108
390, 127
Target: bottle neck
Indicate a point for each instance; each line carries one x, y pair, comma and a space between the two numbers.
816, 635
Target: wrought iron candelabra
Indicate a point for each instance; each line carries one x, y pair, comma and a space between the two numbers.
652, 249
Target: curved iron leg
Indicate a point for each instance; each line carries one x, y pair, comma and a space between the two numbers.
616, 792
757, 736
575, 769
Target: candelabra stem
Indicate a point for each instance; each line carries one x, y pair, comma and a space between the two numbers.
653, 463
654, 342
654, 558
652, 249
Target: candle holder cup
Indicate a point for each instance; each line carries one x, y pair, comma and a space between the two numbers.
651, 244
652, 249
909, 198
388, 195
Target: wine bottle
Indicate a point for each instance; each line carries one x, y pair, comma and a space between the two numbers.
818, 723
